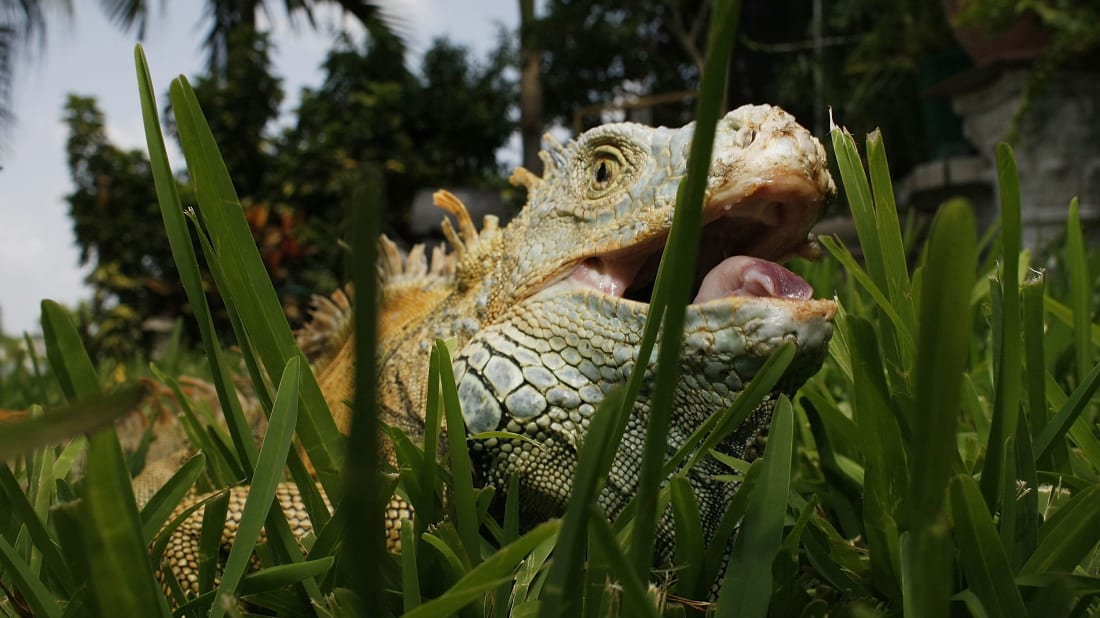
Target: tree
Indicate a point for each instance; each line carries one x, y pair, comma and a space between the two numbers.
118, 228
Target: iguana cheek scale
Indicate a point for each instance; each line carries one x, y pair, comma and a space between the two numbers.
547, 312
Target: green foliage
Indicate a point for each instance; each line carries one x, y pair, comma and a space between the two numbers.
907, 476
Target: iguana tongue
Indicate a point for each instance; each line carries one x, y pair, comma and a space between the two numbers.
741, 275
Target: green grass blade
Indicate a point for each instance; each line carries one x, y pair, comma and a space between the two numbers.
38, 598
1056, 429
159, 508
942, 348
852, 267
1066, 316
284, 575
488, 575
364, 543
858, 192
559, 596
1080, 291
269, 471
982, 557
250, 285
747, 587
210, 541
888, 229
84, 414
1007, 363
23, 512
410, 569
636, 601
119, 569
433, 418
689, 538
1068, 536
462, 475
186, 261
1031, 298
885, 458
680, 255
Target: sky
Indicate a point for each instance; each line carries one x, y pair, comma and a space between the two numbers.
89, 56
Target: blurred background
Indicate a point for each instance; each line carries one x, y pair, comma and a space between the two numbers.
453, 95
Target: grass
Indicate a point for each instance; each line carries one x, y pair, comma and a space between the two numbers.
944, 460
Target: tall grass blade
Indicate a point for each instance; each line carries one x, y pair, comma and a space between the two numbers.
23, 512
462, 484
1007, 363
680, 254
942, 348
364, 548
1081, 290
269, 471
186, 261
250, 286
559, 596
747, 587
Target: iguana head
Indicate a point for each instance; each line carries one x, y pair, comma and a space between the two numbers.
562, 323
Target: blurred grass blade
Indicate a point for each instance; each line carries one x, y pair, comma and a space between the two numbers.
488, 575
983, 559
269, 472
942, 348
636, 601
364, 549
747, 587
23, 512
159, 508
39, 599
82, 415
119, 569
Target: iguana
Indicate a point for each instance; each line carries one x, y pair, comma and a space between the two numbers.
547, 312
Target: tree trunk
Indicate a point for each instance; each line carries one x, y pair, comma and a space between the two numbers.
530, 88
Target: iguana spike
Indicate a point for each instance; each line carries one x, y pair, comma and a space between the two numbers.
523, 177
449, 201
553, 156
390, 261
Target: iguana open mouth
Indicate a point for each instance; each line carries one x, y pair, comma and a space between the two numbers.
743, 242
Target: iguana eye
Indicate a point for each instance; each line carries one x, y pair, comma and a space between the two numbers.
607, 165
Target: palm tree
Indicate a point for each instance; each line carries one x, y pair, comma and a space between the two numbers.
22, 28
225, 16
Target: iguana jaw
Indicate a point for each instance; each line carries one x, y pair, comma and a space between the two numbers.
748, 231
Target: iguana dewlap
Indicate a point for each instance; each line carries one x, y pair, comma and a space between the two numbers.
547, 312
